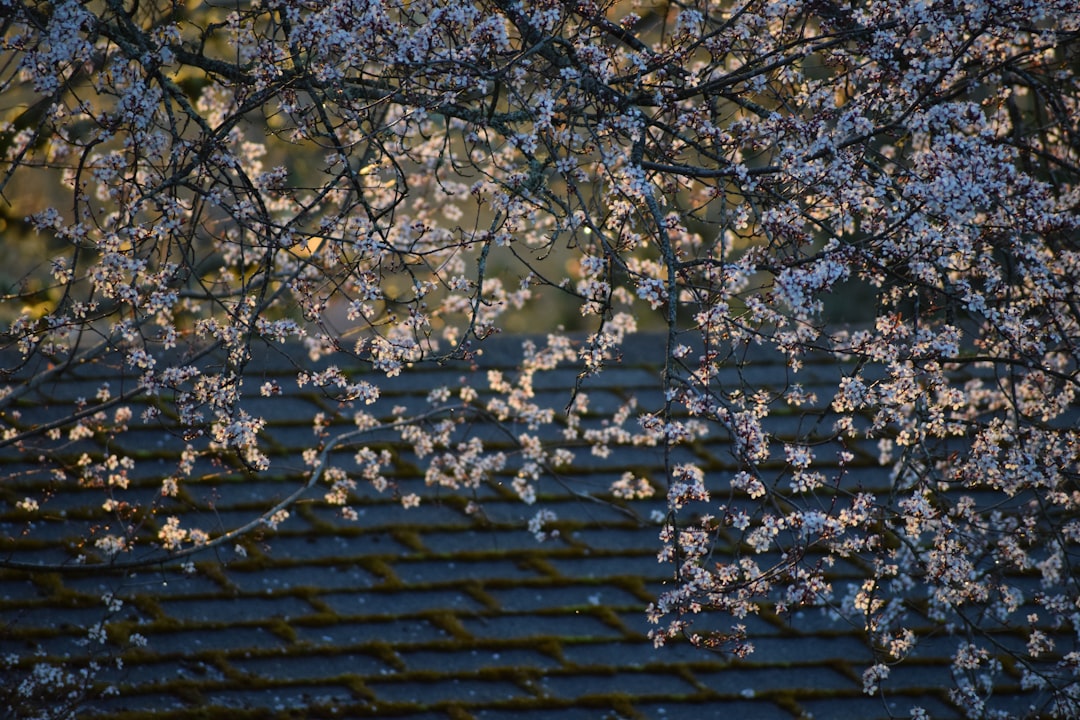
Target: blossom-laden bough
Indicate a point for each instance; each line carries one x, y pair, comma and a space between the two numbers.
391, 182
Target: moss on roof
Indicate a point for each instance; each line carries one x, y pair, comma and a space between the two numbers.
427, 613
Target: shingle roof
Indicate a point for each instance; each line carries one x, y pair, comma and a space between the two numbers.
431, 612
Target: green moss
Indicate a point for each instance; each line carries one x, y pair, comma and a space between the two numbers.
476, 591
147, 605
539, 563
607, 616
386, 654
187, 692
250, 548
323, 612
455, 712
688, 675
359, 689
380, 568
119, 631
256, 560
632, 585
306, 511
50, 584
448, 621
410, 538
550, 646
213, 570
621, 703
844, 668
788, 703
282, 629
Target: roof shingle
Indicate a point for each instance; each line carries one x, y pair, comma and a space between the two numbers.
431, 612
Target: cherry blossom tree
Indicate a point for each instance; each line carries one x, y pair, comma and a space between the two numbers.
392, 182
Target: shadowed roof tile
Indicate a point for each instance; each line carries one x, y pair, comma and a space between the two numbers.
430, 613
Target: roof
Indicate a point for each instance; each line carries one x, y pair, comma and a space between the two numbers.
432, 612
